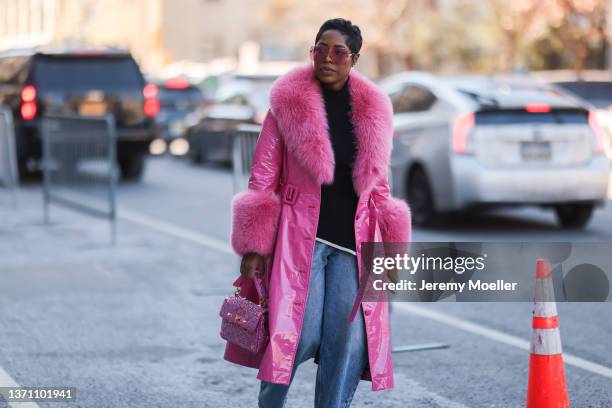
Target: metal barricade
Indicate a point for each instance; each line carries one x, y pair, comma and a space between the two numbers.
243, 148
79, 165
9, 175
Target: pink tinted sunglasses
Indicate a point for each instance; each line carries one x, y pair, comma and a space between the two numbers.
339, 55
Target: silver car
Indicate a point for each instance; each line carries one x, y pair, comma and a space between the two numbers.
469, 142
243, 100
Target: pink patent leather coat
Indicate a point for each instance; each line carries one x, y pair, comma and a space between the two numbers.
278, 215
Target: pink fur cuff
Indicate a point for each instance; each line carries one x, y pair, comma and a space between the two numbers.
255, 215
396, 221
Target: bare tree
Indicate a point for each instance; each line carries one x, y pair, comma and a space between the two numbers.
583, 27
515, 20
495, 35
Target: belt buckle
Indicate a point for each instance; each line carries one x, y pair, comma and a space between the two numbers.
290, 194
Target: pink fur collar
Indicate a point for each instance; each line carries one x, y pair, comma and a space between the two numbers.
298, 106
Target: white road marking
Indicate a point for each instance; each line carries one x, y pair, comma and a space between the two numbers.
497, 335
175, 230
7, 381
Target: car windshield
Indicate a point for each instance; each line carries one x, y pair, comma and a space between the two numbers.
521, 117
254, 93
61, 73
191, 93
512, 92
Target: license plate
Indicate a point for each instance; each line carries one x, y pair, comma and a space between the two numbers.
177, 128
535, 151
89, 108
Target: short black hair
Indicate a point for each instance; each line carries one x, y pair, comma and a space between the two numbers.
350, 31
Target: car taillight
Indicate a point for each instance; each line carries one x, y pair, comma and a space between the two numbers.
461, 128
28, 102
537, 107
598, 131
177, 83
151, 103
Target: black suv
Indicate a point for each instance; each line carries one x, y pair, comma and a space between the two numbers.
90, 82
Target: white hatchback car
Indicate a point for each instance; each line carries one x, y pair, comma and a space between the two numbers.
468, 142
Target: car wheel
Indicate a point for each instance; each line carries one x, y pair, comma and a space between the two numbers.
574, 215
132, 168
194, 155
420, 198
194, 149
24, 172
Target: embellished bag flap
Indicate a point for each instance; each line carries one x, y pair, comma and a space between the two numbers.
242, 312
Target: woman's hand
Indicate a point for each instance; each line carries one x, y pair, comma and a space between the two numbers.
251, 261
392, 275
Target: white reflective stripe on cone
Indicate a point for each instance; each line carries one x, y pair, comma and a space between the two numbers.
545, 341
545, 309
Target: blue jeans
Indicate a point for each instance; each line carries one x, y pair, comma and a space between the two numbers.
341, 345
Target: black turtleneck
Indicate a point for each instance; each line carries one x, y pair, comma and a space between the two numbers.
339, 199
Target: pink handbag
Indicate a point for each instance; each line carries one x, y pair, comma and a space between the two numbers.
245, 323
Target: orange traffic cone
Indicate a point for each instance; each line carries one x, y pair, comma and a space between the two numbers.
546, 388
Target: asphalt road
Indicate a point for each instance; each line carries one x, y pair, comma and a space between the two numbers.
135, 325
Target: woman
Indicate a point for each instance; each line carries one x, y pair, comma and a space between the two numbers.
319, 172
